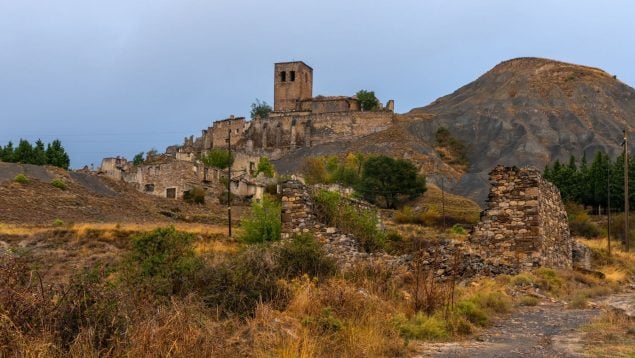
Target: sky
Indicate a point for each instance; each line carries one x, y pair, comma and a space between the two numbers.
117, 77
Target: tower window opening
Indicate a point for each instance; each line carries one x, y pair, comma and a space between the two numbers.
292, 75
283, 76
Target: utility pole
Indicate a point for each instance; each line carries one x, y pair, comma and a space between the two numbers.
443, 201
229, 181
608, 204
626, 209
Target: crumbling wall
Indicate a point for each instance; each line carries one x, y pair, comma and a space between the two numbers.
525, 224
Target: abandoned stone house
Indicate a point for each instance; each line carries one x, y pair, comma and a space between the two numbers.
172, 178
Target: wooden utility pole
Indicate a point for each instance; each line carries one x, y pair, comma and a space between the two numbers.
608, 205
229, 181
626, 209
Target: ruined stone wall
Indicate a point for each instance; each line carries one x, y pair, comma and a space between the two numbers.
281, 134
217, 137
525, 224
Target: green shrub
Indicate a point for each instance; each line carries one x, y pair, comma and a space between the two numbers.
522, 279
162, 260
264, 224
472, 313
304, 255
457, 229
58, 222
237, 285
59, 183
196, 195
549, 280
21, 178
494, 301
362, 224
421, 326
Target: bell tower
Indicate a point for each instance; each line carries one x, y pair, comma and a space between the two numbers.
293, 82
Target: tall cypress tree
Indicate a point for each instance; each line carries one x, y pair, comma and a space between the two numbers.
56, 155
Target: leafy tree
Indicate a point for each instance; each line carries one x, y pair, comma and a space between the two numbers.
218, 158
260, 109
265, 222
56, 155
39, 153
265, 166
24, 152
138, 159
385, 179
367, 100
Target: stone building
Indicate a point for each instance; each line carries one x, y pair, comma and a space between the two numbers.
298, 120
525, 224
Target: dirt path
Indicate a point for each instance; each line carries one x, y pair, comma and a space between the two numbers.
547, 330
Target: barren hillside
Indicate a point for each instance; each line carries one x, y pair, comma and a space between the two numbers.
529, 111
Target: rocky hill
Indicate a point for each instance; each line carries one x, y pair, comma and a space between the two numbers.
529, 111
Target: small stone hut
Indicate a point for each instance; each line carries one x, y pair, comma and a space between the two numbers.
525, 224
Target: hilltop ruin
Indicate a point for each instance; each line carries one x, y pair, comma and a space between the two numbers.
298, 120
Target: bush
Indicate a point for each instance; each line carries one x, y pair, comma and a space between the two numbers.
457, 229
59, 183
58, 222
196, 195
304, 255
264, 223
549, 280
162, 260
407, 216
363, 224
472, 313
21, 178
581, 225
239, 284
528, 301
421, 326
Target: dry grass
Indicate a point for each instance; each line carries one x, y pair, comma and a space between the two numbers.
610, 334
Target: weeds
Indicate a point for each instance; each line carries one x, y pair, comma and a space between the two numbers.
22, 179
59, 183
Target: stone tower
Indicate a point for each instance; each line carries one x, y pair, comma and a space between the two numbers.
293, 83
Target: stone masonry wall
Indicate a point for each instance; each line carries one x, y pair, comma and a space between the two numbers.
525, 224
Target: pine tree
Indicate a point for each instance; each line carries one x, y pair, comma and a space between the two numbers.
24, 152
39, 153
56, 155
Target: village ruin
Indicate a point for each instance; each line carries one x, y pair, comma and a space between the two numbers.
298, 120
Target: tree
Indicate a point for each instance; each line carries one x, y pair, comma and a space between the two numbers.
56, 155
6, 153
260, 109
39, 154
218, 158
387, 179
367, 100
24, 152
265, 166
138, 159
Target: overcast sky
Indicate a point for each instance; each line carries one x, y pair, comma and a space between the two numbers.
117, 77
